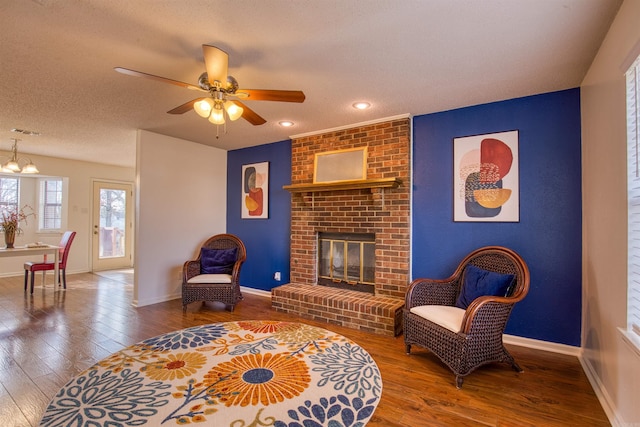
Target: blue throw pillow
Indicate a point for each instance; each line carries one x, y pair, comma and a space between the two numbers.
217, 261
478, 282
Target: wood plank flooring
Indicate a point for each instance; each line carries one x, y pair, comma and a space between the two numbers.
50, 336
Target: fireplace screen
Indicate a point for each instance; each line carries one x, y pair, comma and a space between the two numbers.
347, 260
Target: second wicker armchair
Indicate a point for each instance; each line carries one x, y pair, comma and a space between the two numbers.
464, 326
215, 274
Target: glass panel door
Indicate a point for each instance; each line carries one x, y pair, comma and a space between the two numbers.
112, 225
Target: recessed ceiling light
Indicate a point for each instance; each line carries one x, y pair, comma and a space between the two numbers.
286, 123
361, 105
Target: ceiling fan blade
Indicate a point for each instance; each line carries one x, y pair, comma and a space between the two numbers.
187, 106
249, 115
272, 95
157, 78
217, 64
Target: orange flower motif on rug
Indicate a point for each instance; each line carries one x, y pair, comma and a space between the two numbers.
260, 379
175, 366
266, 326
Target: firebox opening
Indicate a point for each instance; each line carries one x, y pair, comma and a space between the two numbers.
347, 261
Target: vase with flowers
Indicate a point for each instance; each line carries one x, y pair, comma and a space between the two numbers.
10, 223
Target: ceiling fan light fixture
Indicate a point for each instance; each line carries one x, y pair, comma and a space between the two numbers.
203, 107
217, 116
233, 110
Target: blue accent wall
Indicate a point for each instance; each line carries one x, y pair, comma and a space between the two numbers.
267, 240
549, 234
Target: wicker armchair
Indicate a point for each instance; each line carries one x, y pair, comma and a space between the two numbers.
224, 286
473, 336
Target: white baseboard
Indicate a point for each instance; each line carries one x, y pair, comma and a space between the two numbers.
542, 345
601, 392
258, 292
150, 301
142, 303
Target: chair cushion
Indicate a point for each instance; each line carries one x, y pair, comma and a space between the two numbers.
478, 282
217, 261
39, 266
210, 278
444, 315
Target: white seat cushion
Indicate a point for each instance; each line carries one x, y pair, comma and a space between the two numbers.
210, 278
449, 317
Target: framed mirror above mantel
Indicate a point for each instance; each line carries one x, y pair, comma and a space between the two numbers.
341, 170
349, 164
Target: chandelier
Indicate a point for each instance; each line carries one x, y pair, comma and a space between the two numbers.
17, 164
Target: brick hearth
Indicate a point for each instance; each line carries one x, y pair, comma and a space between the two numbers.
352, 309
383, 212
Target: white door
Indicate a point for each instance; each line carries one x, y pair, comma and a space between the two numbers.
112, 225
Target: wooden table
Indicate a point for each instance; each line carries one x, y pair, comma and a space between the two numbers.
41, 250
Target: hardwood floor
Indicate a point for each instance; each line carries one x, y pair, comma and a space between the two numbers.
49, 337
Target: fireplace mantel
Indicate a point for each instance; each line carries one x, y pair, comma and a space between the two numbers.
344, 185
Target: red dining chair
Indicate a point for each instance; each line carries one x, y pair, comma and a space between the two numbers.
65, 245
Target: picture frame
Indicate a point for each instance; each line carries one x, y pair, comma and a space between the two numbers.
486, 178
255, 191
340, 165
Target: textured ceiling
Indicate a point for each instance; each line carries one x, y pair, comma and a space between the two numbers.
404, 57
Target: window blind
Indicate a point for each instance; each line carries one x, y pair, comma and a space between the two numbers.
50, 204
633, 196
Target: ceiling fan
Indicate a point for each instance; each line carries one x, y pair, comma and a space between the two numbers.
223, 91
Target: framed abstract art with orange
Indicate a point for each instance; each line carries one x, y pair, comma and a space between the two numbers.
486, 178
255, 191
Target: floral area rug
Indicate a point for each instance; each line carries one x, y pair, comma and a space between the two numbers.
236, 374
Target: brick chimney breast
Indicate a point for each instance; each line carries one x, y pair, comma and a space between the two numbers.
383, 212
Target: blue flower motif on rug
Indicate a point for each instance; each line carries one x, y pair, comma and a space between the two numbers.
121, 399
256, 347
337, 411
187, 338
350, 368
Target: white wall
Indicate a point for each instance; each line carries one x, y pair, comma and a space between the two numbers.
81, 175
178, 208
611, 364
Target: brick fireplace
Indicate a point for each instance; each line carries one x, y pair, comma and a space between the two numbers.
379, 206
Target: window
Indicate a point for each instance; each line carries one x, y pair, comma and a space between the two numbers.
50, 204
9, 191
633, 196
